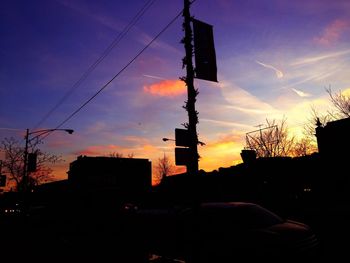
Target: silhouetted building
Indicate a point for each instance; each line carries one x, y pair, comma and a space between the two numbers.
248, 156
129, 177
333, 139
333, 145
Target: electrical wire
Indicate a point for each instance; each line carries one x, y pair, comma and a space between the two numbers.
116, 75
115, 42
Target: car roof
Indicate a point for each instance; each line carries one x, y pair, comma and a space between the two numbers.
240, 213
223, 205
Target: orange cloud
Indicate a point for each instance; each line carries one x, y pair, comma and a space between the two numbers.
332, 32
166, 88
224, 152
60, 170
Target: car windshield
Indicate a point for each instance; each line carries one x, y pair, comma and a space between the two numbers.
239, 215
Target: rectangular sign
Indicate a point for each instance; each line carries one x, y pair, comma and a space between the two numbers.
182, 137
204, 51
182, 156
2, 180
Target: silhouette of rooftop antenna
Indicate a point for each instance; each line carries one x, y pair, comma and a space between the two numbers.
260, 141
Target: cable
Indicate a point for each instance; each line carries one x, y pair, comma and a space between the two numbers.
115, 42
120, 71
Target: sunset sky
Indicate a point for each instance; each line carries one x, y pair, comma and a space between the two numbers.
275, 58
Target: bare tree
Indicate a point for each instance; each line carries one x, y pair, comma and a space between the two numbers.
13, 163
116, 155
341, 102
315, 120
120, 155
272, 141
164, 167
304, 147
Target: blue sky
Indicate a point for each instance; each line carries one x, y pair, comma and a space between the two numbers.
274, 59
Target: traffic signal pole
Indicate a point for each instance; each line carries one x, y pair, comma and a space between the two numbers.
192, 167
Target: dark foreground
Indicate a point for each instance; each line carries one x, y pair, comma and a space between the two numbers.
101, 234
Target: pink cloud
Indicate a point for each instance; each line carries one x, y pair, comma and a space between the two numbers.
59, 140
332, 33
166, 88
99, 150
136, 140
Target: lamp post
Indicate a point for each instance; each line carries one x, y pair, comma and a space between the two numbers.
27, 141
167, 139
182, 154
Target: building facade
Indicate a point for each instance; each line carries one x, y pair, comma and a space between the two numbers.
124, 176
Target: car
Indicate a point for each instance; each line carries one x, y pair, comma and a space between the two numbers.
220, 232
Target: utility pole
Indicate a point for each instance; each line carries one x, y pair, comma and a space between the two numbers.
25, 180
192, 167
26, 168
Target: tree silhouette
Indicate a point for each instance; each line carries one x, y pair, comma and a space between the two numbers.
275, 141
120, 155
341, 102
304, 146
164, 168
341, 109
13, 163
272, 141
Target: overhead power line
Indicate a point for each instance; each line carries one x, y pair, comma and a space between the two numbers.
115, 42
120, 71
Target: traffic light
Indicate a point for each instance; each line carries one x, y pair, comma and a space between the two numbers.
2, 180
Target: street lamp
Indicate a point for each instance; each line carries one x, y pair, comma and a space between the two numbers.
167, 139
182, 155
28, 140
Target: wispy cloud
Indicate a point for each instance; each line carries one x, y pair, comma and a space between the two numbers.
153, 77
109, 22
136, 140
252, 110
333, 32
140, 149
158, 44
113, 23
305, 79
99, 150
301, 93
97, 127
279, 73
225, 123
243, 101
315, 59
166, 88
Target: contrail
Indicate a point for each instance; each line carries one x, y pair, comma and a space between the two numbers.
153, 77
279, 73
301, 93
315, 59
314, 77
